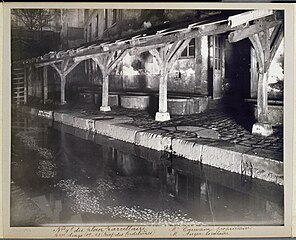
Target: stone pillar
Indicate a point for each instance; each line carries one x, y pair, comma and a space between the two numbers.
45, 85
163, 114
63, 86
105, 93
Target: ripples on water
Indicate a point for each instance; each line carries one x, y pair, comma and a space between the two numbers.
75, 180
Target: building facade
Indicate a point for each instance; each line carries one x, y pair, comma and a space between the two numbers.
186, 60
209, 66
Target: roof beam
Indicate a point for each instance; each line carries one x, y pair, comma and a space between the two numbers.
245, 18
42, 64
251, 30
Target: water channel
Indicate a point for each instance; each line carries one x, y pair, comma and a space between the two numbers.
63, 175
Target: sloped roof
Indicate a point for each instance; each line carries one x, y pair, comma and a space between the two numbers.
164, 33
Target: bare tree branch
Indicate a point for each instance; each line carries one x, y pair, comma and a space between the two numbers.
32, 19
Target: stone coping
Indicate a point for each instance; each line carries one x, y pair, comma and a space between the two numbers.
212, 152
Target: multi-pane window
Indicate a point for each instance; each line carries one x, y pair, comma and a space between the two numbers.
217, 55
215, 45
189, 51
114, 19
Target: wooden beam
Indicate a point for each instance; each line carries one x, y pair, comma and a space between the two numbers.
101, 61
174, 48
110, 57
156, 54
178, 53
258, 50
139, 50
246, 17
276, 44
71, 68
251, 30
65, 64
115, 62
42, 64
57, 69
275, 33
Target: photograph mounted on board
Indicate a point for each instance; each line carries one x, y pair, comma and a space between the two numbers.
146, 117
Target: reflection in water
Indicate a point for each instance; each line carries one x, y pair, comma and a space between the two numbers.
93, 179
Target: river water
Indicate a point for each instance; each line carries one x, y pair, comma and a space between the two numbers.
63, 175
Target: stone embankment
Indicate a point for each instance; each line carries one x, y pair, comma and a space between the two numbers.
206, 148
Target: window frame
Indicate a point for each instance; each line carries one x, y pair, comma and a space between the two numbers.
187, 49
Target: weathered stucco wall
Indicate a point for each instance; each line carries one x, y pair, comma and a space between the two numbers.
141, 72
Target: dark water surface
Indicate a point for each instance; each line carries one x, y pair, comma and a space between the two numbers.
73, 176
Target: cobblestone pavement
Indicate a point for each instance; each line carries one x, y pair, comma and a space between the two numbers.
221, 127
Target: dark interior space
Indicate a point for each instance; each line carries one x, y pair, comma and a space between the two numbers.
237, 83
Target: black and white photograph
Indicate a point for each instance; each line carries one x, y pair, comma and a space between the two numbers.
147, 117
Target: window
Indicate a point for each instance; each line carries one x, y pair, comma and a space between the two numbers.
217, 53
114, 19
86, 34
189, 51
106, 19
97, 26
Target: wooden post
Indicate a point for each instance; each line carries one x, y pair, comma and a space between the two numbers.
63, 86
29, 80
163, 106
102, 62
261, 45
105, 93
25, 84
163, 114
45, 85
107, 63
166, 57
63, 71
